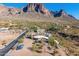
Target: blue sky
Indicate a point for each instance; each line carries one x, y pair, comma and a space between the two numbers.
70, 8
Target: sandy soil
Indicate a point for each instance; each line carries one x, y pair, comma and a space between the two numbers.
26, 51
6, 38
61, 52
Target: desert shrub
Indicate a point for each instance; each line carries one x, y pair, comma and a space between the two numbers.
21, 40
34, 28
54, 27
37, 47
51, 41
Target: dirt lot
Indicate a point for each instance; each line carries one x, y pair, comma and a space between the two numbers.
6, 38
26, 50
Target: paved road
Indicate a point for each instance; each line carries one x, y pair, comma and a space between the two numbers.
11, 44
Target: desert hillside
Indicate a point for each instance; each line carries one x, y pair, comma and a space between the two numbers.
34, 16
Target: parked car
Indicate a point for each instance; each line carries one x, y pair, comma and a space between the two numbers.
20, 46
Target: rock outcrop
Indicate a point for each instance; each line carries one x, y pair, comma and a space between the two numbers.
60, 13
36, 7
5, 11
14, 11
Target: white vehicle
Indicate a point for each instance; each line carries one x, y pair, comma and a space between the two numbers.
39, 37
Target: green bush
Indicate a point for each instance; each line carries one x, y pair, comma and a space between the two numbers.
51, 41
37, 47
54, 27
21, 40
34, 28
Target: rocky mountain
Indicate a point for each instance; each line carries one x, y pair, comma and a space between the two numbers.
14, 11
38, 11
60, 13
5, 11
63, 15
39, 8
36, 7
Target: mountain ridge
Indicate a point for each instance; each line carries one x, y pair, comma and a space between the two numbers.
36, 10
